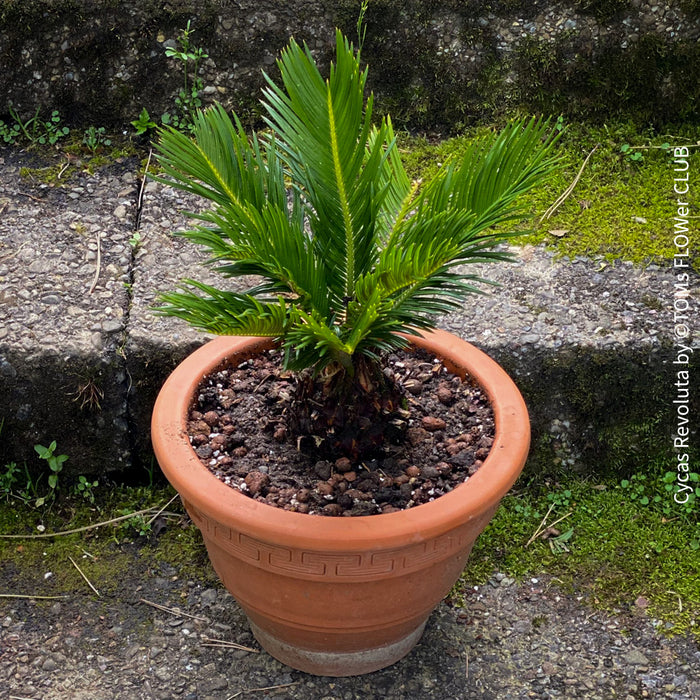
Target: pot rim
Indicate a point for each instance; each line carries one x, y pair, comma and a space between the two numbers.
200, 488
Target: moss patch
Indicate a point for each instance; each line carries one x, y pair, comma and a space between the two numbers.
621, 208
58, 168
108, 555
626, 551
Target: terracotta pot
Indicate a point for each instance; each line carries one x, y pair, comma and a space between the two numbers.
339, 596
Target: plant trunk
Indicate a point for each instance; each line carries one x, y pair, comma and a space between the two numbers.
351, 414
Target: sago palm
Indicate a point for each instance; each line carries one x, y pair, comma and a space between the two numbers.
346, 251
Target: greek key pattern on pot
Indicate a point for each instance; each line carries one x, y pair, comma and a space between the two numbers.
330, 565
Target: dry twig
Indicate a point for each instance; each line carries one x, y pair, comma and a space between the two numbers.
12, 255
542, 526
162, 509
172, 611
87, 580
121, 518
98, 264
564, 196
31, 196
260, 690
222, 643
37, 597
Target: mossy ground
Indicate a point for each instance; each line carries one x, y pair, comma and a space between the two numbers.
621, 552
615, 549
57, 166
110, 556
623, 204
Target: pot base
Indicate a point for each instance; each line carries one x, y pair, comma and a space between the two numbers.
337, 664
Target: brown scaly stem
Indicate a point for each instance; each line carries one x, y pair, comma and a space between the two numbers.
343, 413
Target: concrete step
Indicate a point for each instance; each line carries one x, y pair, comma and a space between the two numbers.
592, 345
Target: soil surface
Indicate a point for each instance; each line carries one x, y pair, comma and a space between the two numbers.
510, 641
240, 429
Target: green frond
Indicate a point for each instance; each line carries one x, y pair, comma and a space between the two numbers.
220, 163
348, 172
495, 172
309, 341
224, 313
345, 251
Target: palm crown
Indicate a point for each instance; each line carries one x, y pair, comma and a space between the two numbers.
349, 252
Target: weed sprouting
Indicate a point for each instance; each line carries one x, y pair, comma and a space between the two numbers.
36, 130
187, 101
95, 137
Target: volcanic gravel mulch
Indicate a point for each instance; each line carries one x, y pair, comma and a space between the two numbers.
239, 429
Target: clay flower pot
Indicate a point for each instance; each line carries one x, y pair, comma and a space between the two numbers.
339, 596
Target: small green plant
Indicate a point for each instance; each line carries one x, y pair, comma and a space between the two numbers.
150, 470
144, 123
95, 137
526, 511
138, 523
361, 27
8, 478
135, 241
55, 463
560, 499
638, 490
630, 155
41, 131
53, 131
558, 544
9, 132
187, 101
30, 491
85, 488
665, 495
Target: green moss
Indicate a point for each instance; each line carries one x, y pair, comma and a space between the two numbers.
619, 209
106, 555
52, 175
619, 550
55, 170
185, 550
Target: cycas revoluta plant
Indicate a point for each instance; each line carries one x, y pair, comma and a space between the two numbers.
348, 251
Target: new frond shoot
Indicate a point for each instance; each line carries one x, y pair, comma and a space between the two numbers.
348, 254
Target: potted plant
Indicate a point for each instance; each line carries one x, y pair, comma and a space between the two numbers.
351, 262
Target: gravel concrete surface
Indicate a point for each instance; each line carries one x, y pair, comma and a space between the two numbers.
511, 640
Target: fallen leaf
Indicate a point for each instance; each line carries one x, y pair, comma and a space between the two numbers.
559, 232
550, 532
